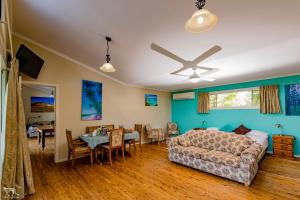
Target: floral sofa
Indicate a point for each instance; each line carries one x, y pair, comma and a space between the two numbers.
224, 154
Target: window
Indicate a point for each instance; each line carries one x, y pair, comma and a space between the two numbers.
235, 99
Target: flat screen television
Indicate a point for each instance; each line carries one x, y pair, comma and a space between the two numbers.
29, 63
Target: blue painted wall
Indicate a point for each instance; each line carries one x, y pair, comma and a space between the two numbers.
184, 112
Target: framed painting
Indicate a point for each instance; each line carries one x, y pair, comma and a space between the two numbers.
151, 100
292, 99
42, 104
91, 106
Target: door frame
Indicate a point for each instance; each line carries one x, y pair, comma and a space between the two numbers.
57, 104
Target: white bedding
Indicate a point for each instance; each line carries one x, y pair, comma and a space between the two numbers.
260, 140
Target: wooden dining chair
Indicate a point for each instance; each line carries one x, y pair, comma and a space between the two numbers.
90, 129
109, 127
139, 129
77, 148
154, 134
116, 142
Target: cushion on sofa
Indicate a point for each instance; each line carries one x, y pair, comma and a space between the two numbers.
212, 140
184, 141
240, 144
220, 157
191, 151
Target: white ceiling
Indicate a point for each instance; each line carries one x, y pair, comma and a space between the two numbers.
259, 38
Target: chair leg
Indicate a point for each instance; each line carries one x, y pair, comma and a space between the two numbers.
73, 160
110, 159
134, 145
117, 151
129, 147
91, 156
140, 144
69, 155
123, 153
102, 154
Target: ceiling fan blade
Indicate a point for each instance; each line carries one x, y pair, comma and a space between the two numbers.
167, 53
207, 54
210, 71
207, 79
180, 70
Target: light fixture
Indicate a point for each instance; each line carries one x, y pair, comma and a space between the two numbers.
194, 78
107, 67
202, 20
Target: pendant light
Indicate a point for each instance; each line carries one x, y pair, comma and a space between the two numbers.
202, 20
107, 67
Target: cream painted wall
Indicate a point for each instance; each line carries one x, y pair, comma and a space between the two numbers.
27, 93
121, 104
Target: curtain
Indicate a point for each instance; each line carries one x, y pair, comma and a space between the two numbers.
17, 180
269, 99
203, 102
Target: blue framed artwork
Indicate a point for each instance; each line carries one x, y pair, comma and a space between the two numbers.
42, 104
292, 99
91, 106
151, 100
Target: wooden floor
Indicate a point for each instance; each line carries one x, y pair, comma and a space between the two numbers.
150, 175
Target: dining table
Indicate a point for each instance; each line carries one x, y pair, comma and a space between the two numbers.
94, 140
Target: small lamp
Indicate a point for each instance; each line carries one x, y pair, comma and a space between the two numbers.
279, 126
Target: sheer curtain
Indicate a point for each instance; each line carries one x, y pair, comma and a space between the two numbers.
17, 173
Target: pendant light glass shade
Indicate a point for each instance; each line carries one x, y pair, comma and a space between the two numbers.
194, 78
107, 67
202, 20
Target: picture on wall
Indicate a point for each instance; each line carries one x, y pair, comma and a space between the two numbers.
292, 99
91, 108
42, 104
151, 100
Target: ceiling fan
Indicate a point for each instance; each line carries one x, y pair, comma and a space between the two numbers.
195, 77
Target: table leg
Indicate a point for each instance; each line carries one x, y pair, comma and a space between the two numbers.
43, 139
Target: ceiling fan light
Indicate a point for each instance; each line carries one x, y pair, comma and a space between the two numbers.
107, 67
195, 80
202, 20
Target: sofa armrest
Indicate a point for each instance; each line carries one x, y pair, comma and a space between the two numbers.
250, 155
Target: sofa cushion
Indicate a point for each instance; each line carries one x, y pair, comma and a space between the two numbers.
184, 141
191, 151
220, 157
240, 144
212, 140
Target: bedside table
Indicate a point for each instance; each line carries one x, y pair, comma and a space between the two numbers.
283, 146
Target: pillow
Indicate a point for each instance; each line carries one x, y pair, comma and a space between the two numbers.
242, 130
257, 133
213, 128
183, 141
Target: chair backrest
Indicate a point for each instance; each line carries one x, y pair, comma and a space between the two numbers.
172, 126
148, 129
69, 139
90, 129
116, 138
138, 128
109, 127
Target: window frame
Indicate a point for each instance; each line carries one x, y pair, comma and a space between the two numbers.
234, 107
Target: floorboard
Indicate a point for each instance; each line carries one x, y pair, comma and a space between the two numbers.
150, 175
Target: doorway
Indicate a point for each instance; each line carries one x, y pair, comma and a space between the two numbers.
40, 107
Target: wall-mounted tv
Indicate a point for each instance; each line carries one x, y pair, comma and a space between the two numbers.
29, 63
